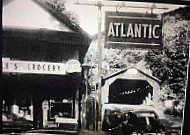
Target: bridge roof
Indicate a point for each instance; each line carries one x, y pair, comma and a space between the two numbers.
139, 70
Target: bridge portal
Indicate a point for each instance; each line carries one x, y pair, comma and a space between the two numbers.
133, 92
131, 86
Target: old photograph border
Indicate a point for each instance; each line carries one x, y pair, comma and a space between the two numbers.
86, 100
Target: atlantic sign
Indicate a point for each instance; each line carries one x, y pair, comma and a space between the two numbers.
133, 30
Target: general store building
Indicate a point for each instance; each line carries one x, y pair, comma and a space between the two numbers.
42, 54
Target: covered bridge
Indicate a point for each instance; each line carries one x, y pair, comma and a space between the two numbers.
131, 86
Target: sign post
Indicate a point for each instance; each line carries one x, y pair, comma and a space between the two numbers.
99, 68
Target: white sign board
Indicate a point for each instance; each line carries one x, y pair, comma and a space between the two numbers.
32, 67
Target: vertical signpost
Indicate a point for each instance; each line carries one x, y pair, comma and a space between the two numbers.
99, 67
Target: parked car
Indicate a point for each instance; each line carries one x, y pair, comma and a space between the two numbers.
113, 120
13, 123
142, 121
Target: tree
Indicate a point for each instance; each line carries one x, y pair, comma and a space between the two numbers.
170, 63
59, 5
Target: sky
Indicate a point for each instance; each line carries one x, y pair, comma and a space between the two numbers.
26, 13
88, 15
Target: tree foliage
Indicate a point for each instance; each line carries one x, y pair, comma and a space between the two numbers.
60, 6
170, 63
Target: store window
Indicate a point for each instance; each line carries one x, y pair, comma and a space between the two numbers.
61, 109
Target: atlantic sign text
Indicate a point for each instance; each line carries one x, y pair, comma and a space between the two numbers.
133, 30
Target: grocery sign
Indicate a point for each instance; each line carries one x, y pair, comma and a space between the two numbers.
133, 30
32, 67
38, 67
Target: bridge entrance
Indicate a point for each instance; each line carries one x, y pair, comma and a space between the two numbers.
130, 91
